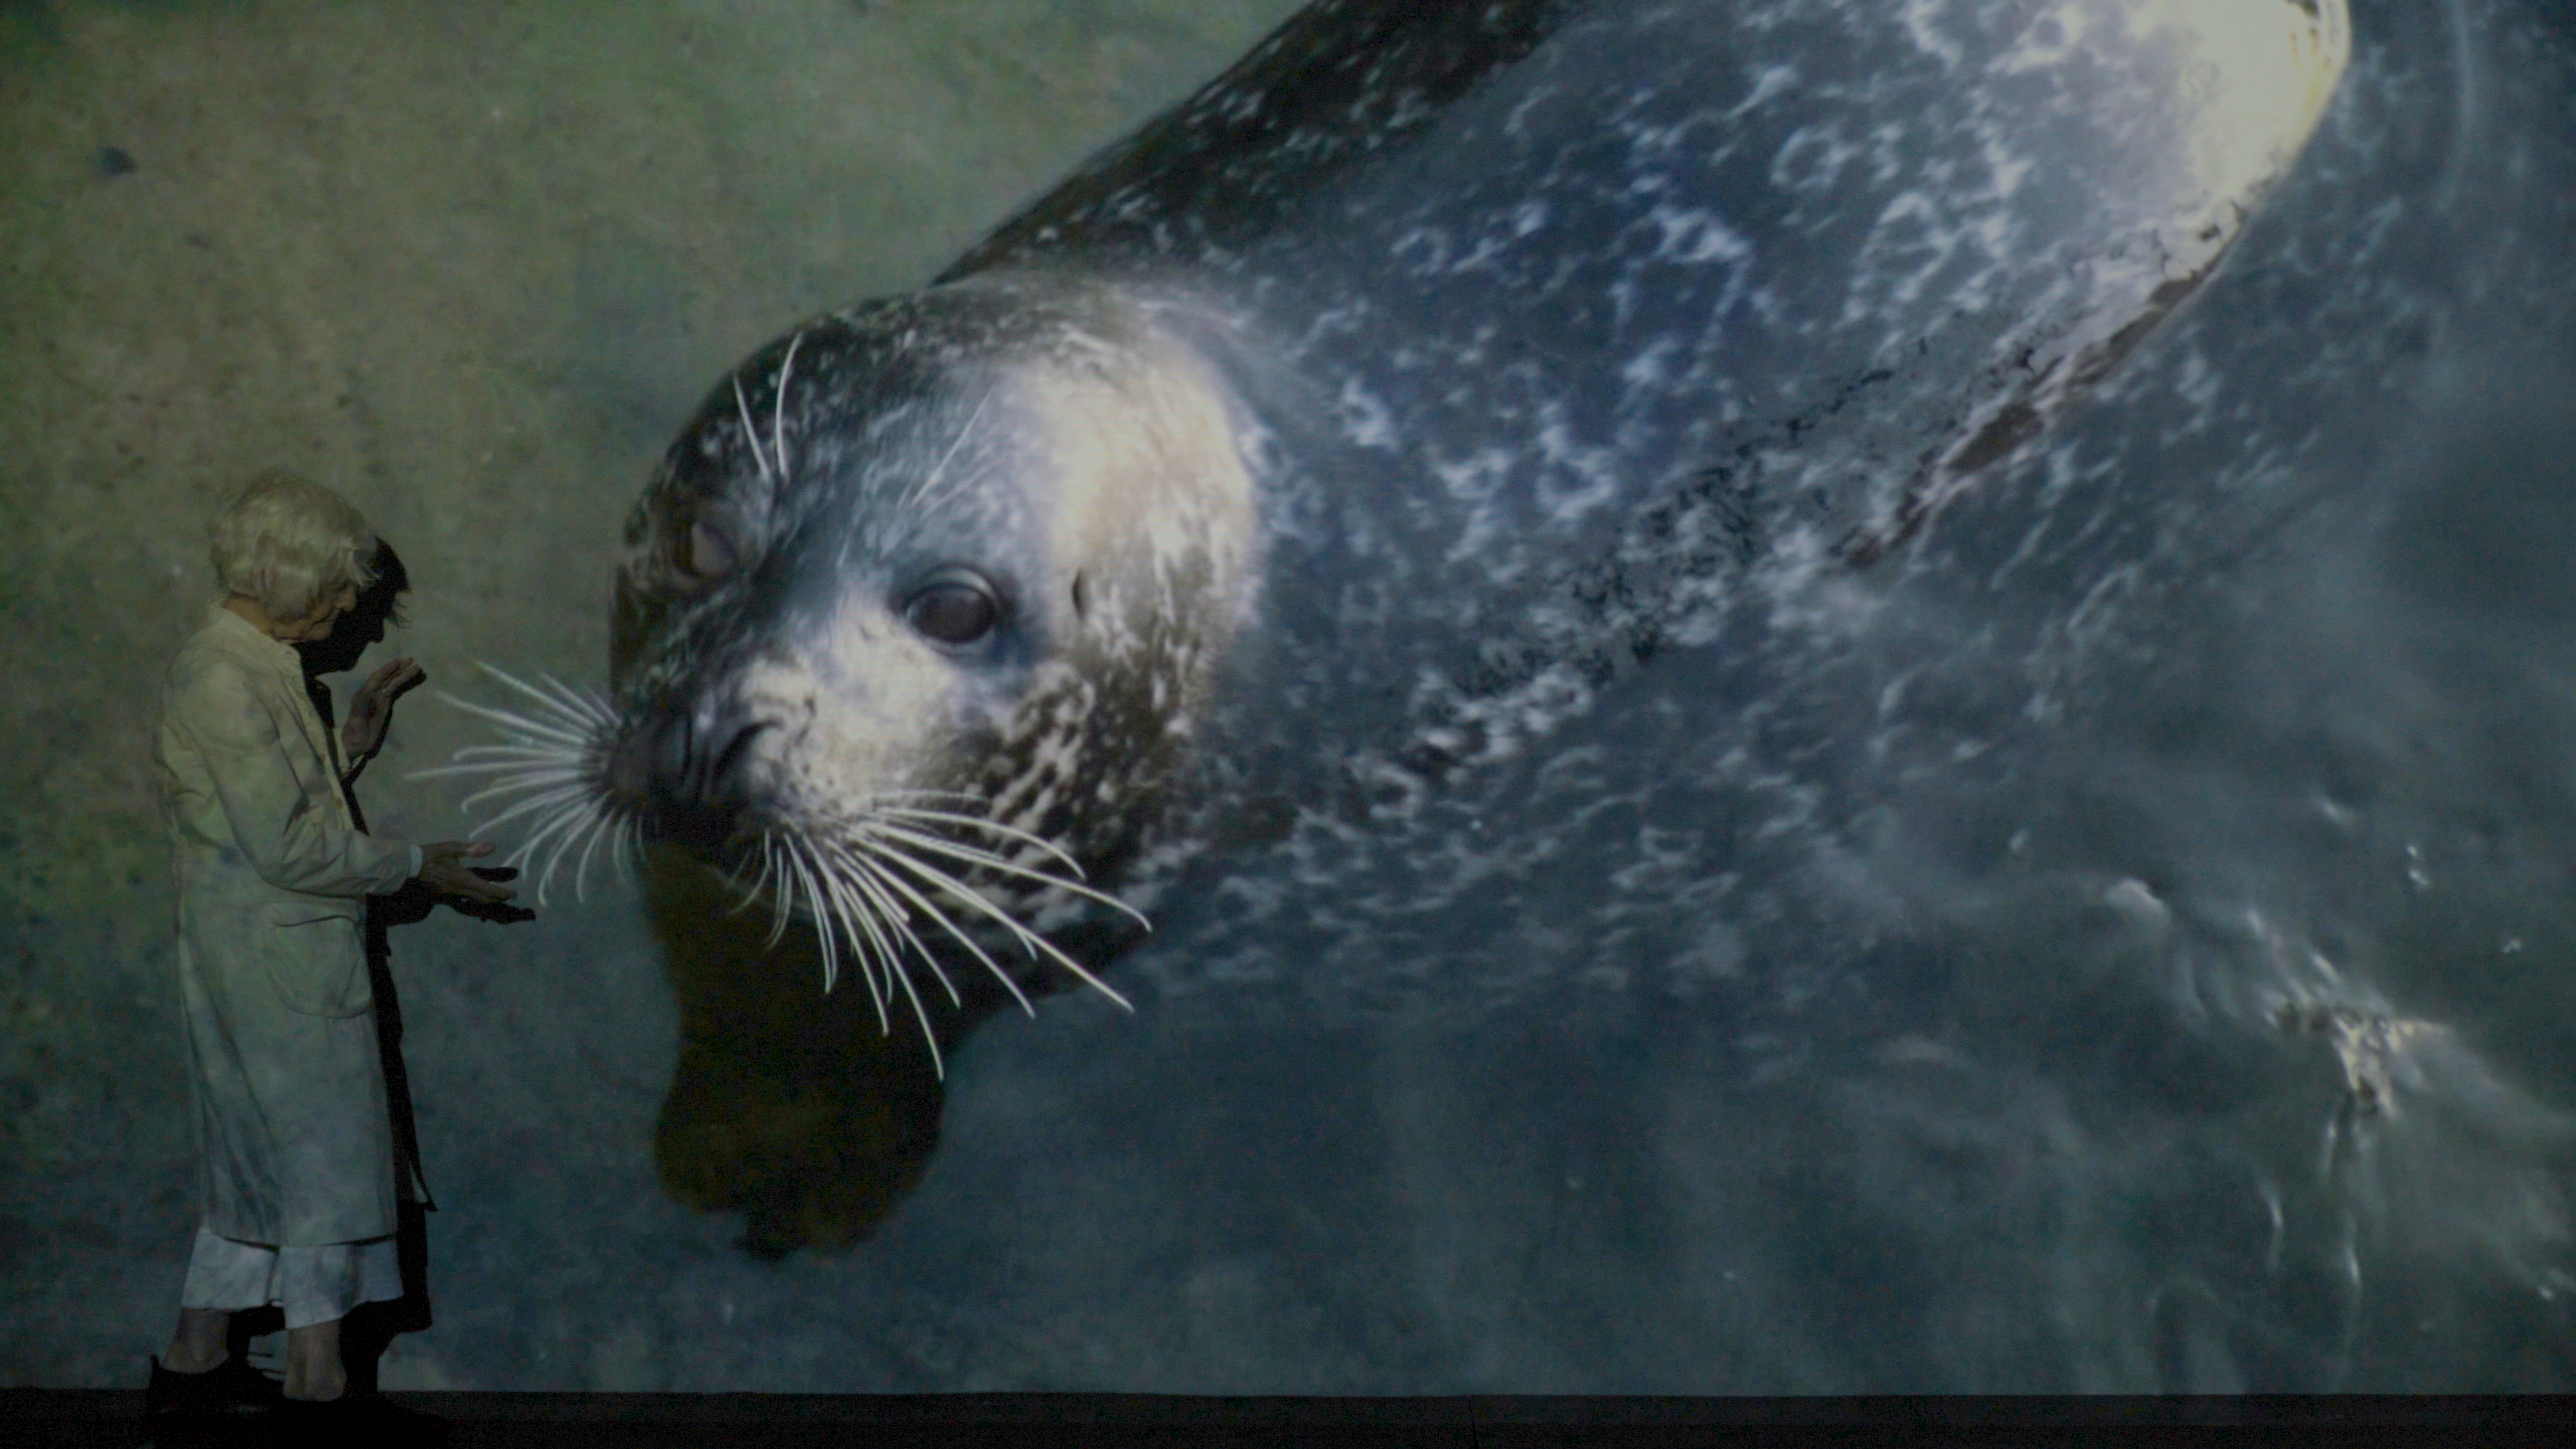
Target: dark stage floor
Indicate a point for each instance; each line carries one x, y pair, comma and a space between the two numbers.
78, 1419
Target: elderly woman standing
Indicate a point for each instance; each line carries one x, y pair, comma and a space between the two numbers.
295, 1159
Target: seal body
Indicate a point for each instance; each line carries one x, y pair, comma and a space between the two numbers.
1925, 909
1315, 464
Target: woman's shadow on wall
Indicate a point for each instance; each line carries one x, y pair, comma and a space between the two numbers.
371, 1327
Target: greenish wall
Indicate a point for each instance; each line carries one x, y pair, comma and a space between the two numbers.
469, 263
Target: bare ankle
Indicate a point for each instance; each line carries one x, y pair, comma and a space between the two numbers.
180, 1359
313, 1367
201, 1341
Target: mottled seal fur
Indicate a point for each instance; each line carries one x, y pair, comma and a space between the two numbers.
1309, 525
2025, 959
1283, 481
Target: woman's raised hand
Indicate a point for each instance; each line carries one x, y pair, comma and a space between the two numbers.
373, 707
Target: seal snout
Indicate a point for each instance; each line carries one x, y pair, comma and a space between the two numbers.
687, 769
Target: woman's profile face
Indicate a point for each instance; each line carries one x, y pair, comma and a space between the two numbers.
317, 625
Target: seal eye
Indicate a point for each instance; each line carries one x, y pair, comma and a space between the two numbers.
703, 552
953, 611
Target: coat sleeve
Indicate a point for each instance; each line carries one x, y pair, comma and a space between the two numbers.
288, 835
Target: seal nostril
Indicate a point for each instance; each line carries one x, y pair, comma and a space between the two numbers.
726, 778
669, 753
689, 774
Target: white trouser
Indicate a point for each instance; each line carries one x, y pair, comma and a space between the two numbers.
313, 1284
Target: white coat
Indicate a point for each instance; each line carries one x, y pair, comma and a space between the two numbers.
294, 1143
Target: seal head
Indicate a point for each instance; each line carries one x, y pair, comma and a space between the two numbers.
919, 623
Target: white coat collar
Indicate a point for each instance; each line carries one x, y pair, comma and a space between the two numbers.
244, 630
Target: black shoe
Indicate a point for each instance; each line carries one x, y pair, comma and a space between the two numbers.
354, 1418
231, 1389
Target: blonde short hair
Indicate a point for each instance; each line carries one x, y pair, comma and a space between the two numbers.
286, 543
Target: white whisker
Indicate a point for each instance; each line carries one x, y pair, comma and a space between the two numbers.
572, 737
563, 828
548, 770
529, 778
499, 759
823, 920
751, 432
531, 752
554, 786
537, 771
558, 697
1029, 940
895, 974
752, 892
974, 856
978, 822
855, 927
863, 880
742, 867
524, 858
960, 795
931, 909
889, 959
552, 811
547, 822
898, 976
900, 920
786, 898
588, 706
914, 495
778, 412
565, 839
585, 715
552, 799
929, 1038
599, 827
816, 908
854, 915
